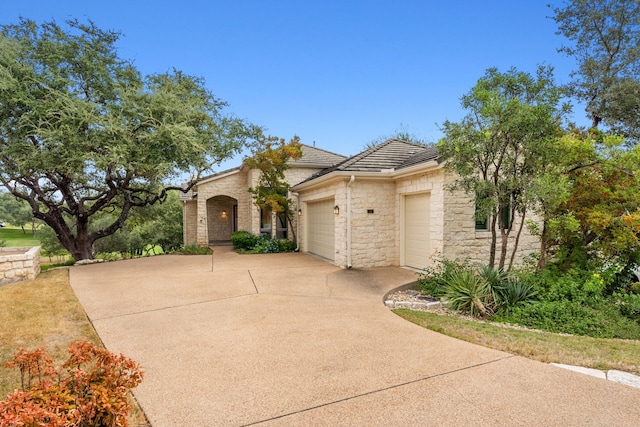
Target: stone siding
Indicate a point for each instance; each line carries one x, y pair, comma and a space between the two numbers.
189, 222
464, 242
373, 223
19, 263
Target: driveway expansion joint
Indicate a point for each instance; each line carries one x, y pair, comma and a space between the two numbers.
169, 307
380, 390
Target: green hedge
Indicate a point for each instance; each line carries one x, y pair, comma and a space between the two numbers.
246, 242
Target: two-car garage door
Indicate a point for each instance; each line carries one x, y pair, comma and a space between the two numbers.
321, 225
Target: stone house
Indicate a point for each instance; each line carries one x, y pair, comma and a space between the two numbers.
388, 205
220, 204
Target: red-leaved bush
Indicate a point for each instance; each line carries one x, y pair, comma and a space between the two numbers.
89, 389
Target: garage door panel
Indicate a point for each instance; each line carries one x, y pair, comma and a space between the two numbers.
416, 230
321, 226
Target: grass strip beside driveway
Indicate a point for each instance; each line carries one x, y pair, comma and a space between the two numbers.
43, 312
588, 352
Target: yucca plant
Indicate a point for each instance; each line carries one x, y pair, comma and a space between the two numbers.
469, 292
516, 292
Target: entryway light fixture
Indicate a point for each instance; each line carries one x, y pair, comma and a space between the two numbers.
223, 214
336, 210
299, 212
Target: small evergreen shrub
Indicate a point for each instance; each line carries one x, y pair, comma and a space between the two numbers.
193, 250
629, 305
244, 240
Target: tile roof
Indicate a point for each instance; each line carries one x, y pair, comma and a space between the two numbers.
392, 154
312, 156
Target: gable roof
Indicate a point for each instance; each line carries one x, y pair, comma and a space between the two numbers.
317, 157
312, 157
391, 155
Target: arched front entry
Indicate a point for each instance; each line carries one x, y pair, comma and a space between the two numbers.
222, 218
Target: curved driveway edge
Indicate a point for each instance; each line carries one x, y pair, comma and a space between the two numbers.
288, 339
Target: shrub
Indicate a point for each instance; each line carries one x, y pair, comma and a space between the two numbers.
573, 318
244, 240
193, 250
266, 245
629, 305
89, 389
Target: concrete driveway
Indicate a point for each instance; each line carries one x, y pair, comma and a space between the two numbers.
290, 340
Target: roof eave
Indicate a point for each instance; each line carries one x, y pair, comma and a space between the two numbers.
219, 176
422, 167
390, 174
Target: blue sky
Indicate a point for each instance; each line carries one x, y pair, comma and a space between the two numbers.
340, 73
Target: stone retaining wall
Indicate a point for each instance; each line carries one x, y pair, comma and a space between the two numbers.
19, 263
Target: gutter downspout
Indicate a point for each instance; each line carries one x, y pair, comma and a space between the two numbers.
353, 178
297, 221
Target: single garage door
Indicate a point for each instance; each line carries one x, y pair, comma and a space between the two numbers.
416, 230
321, 226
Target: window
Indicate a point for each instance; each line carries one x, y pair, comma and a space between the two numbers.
265, 222
483, 222
281, 226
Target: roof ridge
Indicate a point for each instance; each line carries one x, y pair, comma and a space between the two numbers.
322, 149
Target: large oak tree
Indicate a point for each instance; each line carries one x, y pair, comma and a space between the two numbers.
82, 131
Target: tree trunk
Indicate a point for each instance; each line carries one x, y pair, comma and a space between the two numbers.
543, 246
293, 229
504, 238
517, 240
492, 248
80, 246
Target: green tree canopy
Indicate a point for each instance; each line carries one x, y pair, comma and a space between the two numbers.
601, 216
82, 131
497, 150
604, 38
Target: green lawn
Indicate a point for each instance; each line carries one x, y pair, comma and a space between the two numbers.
15, 237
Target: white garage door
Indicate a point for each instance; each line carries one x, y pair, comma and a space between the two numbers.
416, 230
321, 226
